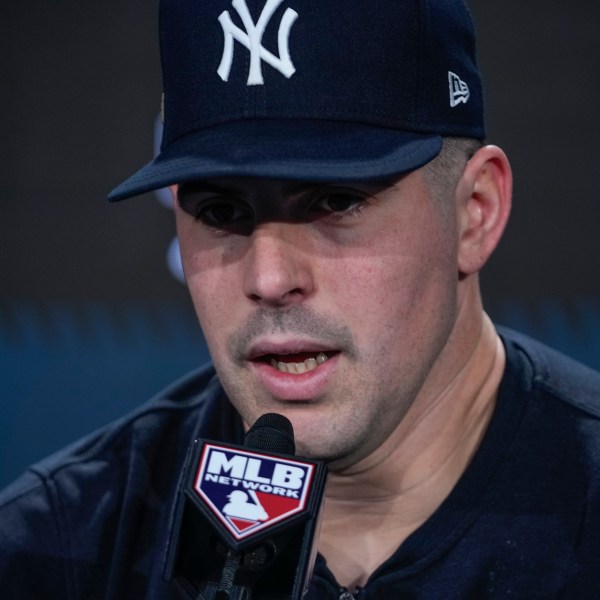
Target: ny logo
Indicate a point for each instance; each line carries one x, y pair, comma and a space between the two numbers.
252, 40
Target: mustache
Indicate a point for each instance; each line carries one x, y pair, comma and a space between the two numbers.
298, 320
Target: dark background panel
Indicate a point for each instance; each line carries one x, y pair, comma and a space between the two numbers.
92, 322
542, 69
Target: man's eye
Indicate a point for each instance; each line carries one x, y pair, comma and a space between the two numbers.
341, 203
214, 211
220, 214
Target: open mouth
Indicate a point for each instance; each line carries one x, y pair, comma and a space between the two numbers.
297, 363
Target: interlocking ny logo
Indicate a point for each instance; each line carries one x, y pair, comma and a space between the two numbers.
252, 39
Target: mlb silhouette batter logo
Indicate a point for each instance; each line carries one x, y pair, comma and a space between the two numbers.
248, 491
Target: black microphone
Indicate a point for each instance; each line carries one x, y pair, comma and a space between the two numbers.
247, 517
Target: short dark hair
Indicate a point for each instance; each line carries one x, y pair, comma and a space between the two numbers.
444, 171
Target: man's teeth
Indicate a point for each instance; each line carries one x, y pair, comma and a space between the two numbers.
299, 367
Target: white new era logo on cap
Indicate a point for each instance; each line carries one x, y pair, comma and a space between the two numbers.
459, 90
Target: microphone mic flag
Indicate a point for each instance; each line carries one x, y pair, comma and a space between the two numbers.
247, 517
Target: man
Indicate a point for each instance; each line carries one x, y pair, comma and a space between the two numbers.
334, 205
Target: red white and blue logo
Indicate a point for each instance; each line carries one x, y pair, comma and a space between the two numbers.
248, 491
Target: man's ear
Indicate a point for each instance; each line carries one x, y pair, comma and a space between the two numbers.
483, 195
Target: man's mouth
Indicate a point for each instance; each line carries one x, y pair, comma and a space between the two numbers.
294, 370
297, 363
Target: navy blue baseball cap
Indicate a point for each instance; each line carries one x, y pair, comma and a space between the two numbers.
313, 90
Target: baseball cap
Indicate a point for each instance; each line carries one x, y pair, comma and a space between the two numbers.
313, 90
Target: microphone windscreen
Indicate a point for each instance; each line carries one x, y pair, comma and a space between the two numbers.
271, 432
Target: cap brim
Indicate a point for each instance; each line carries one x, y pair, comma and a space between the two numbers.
285, 149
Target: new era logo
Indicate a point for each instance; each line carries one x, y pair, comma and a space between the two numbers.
248, 491
459, 90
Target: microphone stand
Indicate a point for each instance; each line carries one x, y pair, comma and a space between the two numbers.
226, 590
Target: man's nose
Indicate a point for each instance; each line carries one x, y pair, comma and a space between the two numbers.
277, 267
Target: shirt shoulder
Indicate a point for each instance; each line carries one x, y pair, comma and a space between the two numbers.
70, 507
185, 398
557, 375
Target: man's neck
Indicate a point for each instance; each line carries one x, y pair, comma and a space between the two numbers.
372, 507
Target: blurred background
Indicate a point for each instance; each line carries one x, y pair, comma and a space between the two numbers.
93, 319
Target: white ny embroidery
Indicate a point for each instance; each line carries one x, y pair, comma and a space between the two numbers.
252, 40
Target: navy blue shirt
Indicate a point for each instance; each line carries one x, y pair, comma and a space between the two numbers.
93, 521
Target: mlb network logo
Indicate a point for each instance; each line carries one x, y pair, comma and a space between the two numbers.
249, 492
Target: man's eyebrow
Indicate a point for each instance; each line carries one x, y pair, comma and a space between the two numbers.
375, 184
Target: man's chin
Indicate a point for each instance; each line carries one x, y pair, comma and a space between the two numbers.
333, 456
310, 441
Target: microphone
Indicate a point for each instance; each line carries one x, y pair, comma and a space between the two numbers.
247, 517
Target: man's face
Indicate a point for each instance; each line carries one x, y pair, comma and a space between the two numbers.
329, 304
